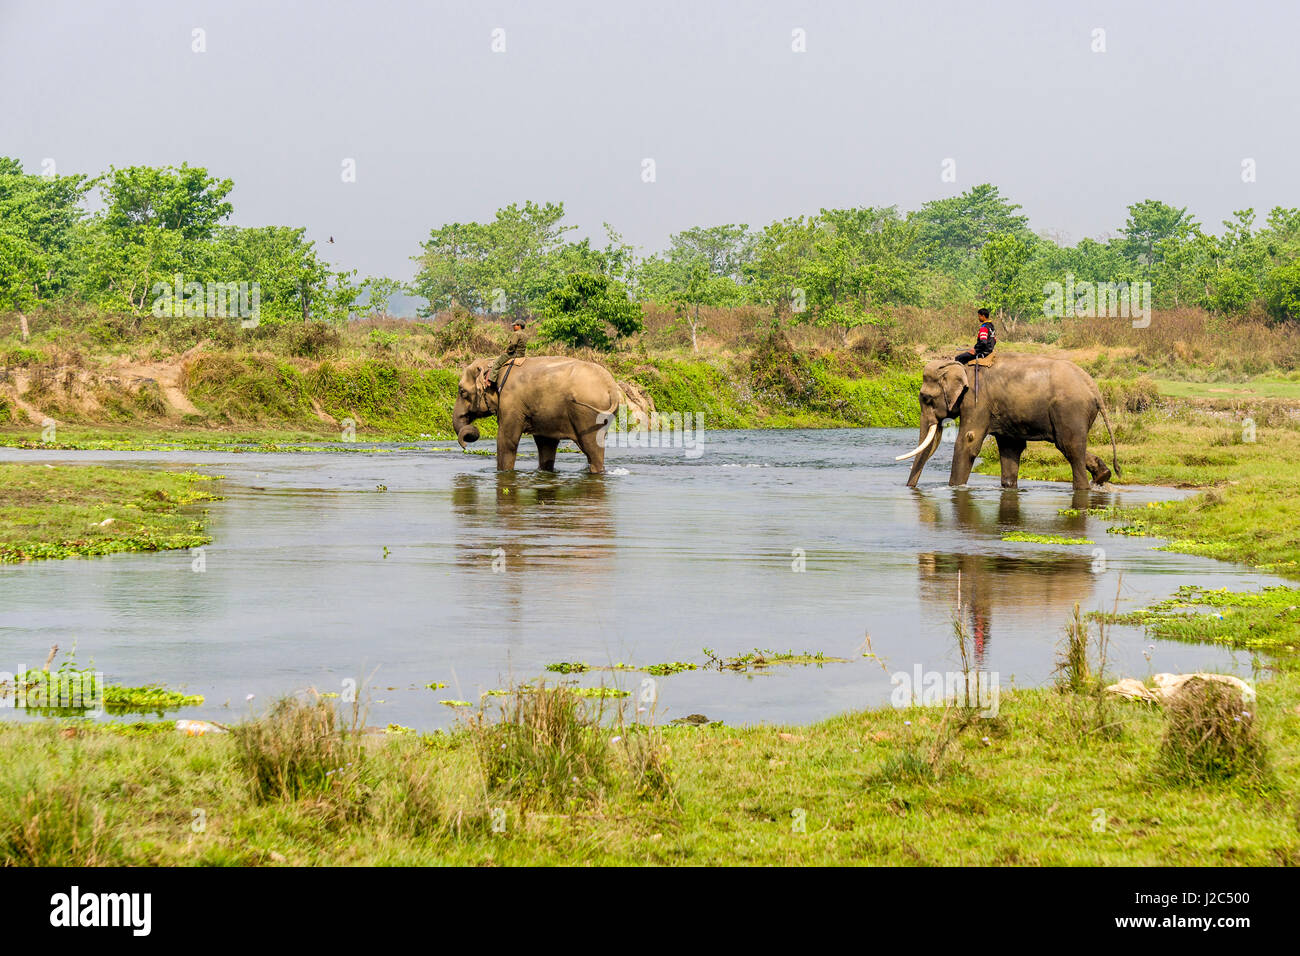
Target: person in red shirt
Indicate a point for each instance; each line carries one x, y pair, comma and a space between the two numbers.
985, 339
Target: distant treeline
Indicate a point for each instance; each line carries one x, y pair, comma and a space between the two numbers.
840, 268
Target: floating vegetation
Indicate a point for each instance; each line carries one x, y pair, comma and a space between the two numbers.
151, 698
435, 685
399, 729
600, 692
1025, 536
1109, 513
455, 703
71, 690
672, 667
761, 659
659, 670
569, 667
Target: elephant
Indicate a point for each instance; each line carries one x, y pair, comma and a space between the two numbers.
550, 397
1022, 398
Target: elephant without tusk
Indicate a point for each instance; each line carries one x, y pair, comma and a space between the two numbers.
1022, 398
550, 397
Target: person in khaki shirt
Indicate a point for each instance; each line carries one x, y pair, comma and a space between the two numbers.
515, 348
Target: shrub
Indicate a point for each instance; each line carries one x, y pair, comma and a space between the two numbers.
312, 339
299, 748
458, 333
546, 747
784, 374
1129, 395
1211, 735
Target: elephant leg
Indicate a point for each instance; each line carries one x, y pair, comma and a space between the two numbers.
1010, 450
1097, 468
593, 448
969, 442
1078, 465
546, 448
508, 435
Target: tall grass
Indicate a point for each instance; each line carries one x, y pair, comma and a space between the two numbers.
547, 747
301, 747
1211, 735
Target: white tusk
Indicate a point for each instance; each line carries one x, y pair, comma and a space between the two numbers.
921, 447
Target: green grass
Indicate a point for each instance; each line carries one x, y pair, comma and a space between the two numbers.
1026, 788
1266, 619
1255, 388
60, 512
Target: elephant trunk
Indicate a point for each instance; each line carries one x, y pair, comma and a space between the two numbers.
929, 438
463, 424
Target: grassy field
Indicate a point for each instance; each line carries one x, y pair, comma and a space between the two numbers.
1251, 390
1056, 778
82, 510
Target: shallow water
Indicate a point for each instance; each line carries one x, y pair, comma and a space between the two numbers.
663, 557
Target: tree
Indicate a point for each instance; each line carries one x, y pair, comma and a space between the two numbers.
775, 273
39, 216
701, 288
861, 260
957, 228
506, 266
1003, 261
1282, 291
723, 250
1151, 223
184, 199
379, 292
582, 309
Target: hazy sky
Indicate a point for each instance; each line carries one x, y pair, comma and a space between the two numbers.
741, 128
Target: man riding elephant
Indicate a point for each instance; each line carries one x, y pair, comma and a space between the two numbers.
515, 349
551, 397
1022, 398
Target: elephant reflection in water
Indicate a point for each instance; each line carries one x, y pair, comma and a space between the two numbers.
1038, 590
519, 522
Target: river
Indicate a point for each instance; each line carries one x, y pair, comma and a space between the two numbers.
784, 540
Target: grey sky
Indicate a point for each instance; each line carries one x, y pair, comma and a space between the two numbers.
741, 128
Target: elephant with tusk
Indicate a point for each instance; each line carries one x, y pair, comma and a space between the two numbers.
1022, 398
550, 397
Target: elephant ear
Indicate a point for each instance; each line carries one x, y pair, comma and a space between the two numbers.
954, 384
481, 379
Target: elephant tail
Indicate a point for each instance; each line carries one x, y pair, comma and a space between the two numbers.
624, 394
598, 411
1114, 455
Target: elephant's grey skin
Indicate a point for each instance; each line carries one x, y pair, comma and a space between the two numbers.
1022, 398
549, 397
